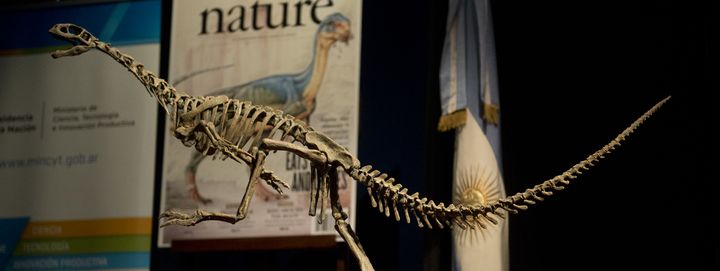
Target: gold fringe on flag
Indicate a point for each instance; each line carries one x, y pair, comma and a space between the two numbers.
491, 114
453, 120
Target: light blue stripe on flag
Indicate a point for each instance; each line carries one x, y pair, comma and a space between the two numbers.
468, 74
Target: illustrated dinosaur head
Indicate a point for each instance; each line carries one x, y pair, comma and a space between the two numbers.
81, 39
336, 27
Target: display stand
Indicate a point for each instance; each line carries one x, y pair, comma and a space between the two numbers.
267, 243
259, 243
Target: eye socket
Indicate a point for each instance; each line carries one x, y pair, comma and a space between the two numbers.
71, 29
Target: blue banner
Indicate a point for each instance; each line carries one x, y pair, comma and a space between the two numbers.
10, 231
121, 23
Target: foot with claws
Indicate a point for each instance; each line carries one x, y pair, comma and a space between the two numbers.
173, 217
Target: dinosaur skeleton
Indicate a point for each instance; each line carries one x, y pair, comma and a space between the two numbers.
218, 126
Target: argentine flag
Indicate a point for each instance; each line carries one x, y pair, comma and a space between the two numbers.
470, 105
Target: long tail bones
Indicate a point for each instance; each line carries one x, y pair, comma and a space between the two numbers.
218, 126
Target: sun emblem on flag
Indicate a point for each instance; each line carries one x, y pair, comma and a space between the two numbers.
476, 185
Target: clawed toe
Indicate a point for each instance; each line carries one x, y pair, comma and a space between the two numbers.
178, 218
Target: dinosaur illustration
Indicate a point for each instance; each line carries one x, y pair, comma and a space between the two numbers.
293, 94
219, 126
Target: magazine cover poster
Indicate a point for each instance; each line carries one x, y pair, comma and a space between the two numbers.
302, 57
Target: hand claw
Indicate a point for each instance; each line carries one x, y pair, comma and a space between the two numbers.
276, 187
275, 182
284, 184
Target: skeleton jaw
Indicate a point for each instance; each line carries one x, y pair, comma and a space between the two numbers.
81, 39
73, 51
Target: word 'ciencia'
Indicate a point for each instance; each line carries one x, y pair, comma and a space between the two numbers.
244, 18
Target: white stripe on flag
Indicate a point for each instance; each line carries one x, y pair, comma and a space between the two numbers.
478, 180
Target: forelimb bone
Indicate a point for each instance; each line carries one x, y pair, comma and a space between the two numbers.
319, 169
257, 167
315, 156
257, 172
342, 227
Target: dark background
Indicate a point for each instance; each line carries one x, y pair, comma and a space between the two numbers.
572, 76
